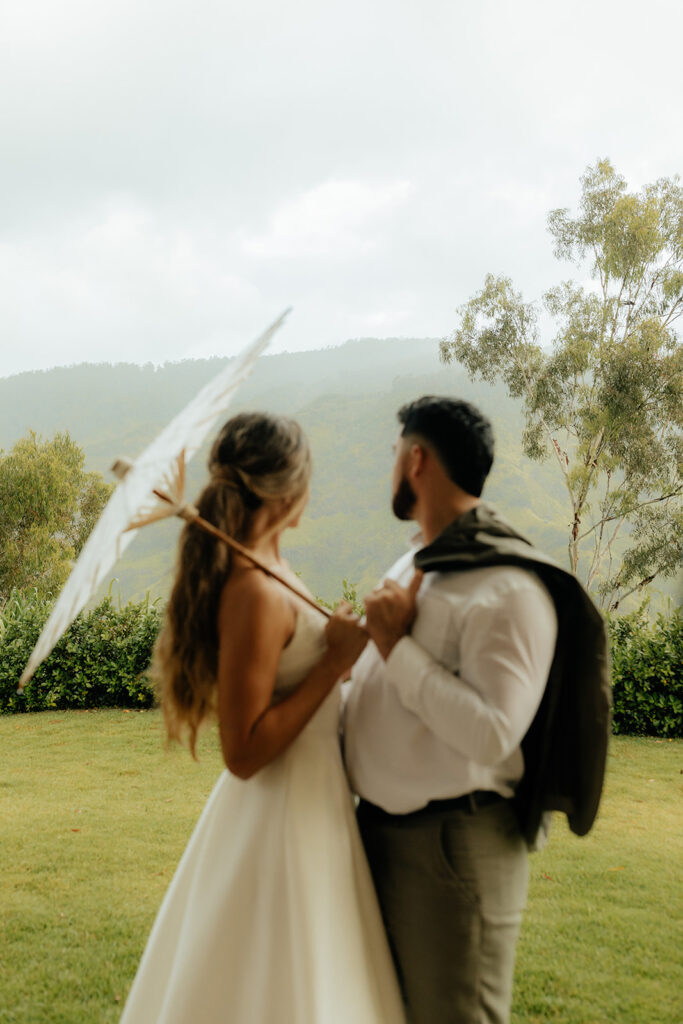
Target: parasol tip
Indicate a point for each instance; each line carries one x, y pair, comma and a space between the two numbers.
122, 467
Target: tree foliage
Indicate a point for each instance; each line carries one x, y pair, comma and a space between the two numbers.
48, 506
605, 399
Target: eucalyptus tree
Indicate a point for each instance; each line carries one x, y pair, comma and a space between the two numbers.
48, 506
604, 400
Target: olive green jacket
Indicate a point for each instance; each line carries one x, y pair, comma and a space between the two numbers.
565, 748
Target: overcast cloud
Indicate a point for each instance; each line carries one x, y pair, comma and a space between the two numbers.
173, 175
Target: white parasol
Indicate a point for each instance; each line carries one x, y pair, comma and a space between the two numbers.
160, 471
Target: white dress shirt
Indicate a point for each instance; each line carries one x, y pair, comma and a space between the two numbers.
447, 711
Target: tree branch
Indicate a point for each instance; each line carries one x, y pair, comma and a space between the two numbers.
635, 508
597, 546
639, 586
617, 309
609, 552
671, 316
656, 274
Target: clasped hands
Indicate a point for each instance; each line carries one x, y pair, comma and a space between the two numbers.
389, 613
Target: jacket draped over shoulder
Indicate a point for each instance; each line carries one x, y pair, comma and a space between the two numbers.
565, 748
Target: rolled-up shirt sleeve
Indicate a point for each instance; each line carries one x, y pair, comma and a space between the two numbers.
484, 709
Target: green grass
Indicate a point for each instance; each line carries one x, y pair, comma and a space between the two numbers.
95, 814
602, 936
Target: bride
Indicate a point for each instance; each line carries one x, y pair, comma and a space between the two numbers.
271, 917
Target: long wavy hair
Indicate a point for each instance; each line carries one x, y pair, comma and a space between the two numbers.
257, 460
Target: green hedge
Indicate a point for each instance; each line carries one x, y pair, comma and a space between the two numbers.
101, 661
647, 674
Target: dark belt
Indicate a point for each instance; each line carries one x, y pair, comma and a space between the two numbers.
469, 802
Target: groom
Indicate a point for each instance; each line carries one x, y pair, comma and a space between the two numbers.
463, 721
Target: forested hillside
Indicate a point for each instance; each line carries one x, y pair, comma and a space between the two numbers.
346, 398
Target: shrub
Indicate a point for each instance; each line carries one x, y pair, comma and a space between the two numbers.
350, 594
101, 661
647, 674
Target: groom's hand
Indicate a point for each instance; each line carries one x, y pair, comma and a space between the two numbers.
389, 612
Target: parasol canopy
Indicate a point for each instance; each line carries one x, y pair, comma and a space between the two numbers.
160, 471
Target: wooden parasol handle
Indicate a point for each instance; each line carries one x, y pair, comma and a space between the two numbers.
192, 516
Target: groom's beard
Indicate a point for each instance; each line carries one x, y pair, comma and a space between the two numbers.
403, 501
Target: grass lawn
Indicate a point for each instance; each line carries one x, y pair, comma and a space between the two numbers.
95, 814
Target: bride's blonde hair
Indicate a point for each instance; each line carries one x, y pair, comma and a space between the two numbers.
257, 460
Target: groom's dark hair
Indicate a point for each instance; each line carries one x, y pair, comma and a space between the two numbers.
459, 433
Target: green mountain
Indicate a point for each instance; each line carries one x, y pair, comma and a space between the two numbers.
345, 398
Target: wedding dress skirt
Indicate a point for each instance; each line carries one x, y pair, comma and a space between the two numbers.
271, 917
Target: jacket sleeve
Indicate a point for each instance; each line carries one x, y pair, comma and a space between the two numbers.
506, 647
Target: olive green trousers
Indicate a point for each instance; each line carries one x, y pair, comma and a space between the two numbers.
452, 885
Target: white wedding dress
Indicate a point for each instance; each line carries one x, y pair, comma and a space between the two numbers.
271, 917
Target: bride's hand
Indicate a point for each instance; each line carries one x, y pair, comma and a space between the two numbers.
345, 637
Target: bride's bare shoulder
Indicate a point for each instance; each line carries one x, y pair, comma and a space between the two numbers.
250, 592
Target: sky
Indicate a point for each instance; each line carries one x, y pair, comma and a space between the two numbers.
173, 175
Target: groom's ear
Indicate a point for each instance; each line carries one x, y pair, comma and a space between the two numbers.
417, 459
